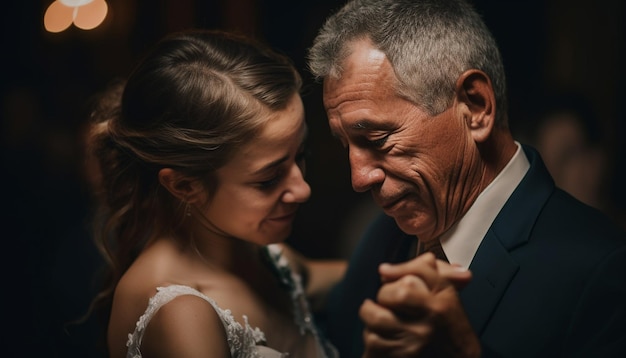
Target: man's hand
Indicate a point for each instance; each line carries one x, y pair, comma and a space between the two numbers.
418, 312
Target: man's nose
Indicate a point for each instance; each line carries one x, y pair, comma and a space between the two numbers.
364, 170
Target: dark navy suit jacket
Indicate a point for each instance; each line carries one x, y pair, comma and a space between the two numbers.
549, 278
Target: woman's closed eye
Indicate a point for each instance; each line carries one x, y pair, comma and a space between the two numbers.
271, 182
279, 174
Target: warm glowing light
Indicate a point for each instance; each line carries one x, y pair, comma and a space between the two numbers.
91, 15
74, 3
58, 17
84, 14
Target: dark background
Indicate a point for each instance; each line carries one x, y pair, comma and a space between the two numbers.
47, 80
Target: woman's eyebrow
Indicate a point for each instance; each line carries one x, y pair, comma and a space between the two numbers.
271, 165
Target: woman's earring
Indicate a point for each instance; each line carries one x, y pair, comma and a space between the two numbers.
187, 210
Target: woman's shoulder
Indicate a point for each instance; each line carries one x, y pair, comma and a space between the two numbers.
180, 319
138, 297
160, 264
149, 271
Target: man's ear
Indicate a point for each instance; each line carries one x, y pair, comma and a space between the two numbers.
473, 88
181, 186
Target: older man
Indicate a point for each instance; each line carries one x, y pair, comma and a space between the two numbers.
415, 91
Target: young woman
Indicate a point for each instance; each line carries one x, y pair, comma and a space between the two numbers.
201, 167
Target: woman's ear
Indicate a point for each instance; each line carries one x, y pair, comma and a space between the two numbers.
473, 88
181, 186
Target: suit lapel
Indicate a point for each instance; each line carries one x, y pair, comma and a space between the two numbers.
493, 267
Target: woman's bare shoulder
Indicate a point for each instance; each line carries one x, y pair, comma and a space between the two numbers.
177, 319
188, 325
159, 266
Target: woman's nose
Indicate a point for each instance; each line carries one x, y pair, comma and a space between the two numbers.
298, 190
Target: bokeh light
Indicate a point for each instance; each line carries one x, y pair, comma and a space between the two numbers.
84, 14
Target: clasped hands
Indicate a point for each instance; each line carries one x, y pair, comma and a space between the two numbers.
418, 312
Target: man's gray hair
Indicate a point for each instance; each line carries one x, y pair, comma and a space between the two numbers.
429, 43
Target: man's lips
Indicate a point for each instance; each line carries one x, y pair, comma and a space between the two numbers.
387, 204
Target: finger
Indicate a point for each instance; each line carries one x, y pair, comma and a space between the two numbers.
379, 319
377, 346
407, 296
424, 266
410, 297
407, 342
457, 275
391, 272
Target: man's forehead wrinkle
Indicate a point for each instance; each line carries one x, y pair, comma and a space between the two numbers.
348, 96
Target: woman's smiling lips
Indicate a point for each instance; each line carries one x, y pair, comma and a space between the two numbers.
283, 217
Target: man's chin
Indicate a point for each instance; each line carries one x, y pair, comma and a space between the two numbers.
407, 225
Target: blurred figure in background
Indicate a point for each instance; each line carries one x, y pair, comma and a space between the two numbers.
575, 150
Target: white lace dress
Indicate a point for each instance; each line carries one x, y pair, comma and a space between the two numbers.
244, 341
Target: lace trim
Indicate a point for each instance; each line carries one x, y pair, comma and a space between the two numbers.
302, 314
242, 340
301, 310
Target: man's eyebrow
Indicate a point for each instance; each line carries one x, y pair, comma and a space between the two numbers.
366, 124
361, 124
